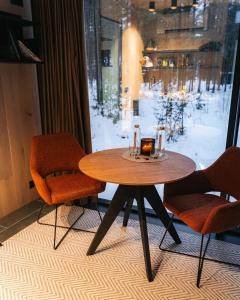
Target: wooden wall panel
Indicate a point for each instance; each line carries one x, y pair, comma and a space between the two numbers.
5, 162
19, 122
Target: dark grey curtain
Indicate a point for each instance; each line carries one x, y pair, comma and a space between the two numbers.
63, 77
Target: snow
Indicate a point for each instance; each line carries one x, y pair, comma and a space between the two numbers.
205, 129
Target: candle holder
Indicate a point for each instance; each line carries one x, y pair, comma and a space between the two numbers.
147, 146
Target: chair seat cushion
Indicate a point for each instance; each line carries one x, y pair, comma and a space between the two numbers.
193, 209
70, 187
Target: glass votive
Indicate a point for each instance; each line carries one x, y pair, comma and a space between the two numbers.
147, 146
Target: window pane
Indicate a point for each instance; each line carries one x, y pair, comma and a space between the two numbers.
170, 67
238, 138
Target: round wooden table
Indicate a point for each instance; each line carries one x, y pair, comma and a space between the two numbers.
136, 181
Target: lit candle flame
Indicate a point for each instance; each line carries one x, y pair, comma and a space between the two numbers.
147, 147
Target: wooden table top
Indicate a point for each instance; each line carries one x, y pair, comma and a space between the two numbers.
109, 166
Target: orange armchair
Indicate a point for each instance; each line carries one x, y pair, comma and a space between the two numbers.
190, 201
54, 168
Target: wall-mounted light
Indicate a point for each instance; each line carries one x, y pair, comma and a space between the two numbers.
195, 3
151, 7
174, 4
151, 45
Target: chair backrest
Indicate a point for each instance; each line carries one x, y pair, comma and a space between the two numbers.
224, 174
57, 152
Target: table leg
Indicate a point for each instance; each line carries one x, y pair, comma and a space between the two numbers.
127, 211
151, 194
128, 193
116, 205
144, 233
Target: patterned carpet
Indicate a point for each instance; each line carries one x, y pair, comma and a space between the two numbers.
31, 269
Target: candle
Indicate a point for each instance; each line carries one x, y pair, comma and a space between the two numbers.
147, 146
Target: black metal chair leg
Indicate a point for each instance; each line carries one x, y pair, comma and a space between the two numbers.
55, 228
127, 211
201, 254
164, 235
39, 214
97, 209
65, 227
200, 262
201, 258
55, 246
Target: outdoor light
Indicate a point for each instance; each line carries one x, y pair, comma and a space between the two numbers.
174, 4
151, 7
151, 45
195, 3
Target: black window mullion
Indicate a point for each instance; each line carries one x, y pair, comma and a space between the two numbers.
234, 108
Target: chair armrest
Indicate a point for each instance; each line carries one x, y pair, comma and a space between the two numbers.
41, 186
222, 218
197, 182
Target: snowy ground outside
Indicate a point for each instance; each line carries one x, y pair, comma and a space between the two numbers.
204, 135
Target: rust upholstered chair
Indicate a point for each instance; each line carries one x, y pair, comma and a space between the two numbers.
59, 154
207, 213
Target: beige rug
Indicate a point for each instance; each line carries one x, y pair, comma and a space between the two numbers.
31, 269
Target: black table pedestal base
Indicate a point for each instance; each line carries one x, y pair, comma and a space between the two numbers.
125, 195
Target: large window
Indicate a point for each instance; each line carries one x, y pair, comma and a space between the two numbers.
172, 67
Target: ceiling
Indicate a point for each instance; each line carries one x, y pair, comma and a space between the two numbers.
159, 4
116, 9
